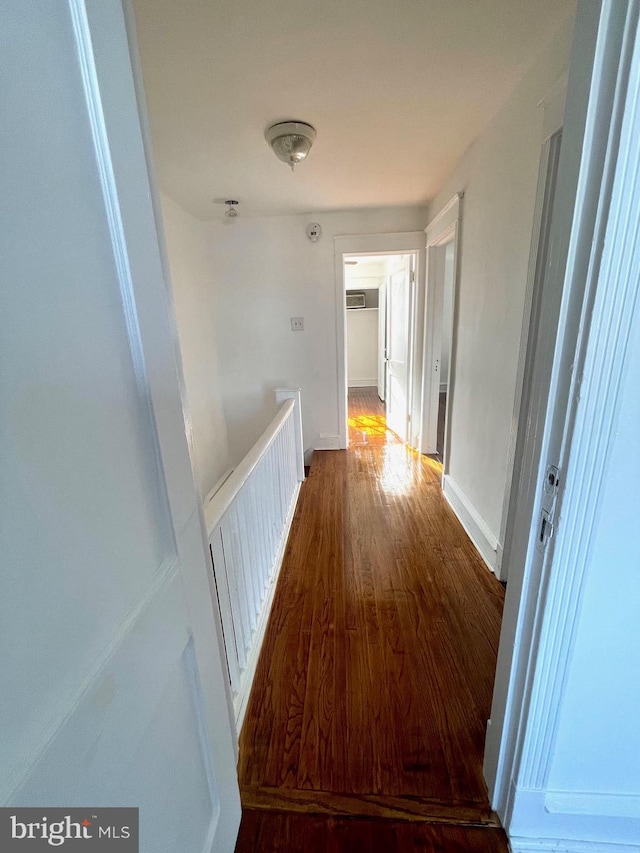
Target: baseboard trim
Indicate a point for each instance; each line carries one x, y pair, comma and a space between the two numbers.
328, 442
565, 845
362, 383
241, 698
483, 539
602, 804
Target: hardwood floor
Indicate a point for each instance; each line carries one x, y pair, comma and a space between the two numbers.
269, 832
374, 684
367, 423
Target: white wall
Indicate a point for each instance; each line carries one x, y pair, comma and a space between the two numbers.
266, 271
191, 279
498, 175
364, 274
362, 346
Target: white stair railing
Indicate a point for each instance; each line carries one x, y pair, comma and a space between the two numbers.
248, 521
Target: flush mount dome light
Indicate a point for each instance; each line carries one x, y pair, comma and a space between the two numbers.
291, 140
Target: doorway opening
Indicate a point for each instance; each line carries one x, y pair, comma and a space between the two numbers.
439, 332
364, 248
444, 257
379, 301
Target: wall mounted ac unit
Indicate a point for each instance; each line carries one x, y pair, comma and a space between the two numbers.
356, 300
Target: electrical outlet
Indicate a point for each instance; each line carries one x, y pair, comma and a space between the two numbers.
297, 324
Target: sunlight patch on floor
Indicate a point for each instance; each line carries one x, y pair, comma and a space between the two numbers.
369, 424
370, 429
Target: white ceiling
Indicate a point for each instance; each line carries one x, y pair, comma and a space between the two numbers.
396, 89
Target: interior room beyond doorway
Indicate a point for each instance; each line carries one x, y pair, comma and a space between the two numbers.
379, 302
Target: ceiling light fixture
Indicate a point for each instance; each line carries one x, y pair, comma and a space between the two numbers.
232, 208
291, 140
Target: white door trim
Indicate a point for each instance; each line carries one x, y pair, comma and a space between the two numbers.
539, 617
145, 134
610, 301
517, 475
553, 105
398, 243
443, 229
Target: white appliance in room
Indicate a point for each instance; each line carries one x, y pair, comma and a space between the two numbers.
356, 300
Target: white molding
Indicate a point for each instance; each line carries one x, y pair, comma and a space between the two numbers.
475, 526
516, 479
390, 243
360, 310
444, 228
534, 821
401, 242
595, 803
444, 219
241, 699
565, 845
121, 255
363, 383
329, 442
591, 128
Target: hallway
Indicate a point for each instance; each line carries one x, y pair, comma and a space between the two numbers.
374, 684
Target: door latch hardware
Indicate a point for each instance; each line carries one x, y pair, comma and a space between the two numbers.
551, 480
545, 530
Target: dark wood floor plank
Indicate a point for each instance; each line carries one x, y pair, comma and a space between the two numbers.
375, 679
269, 832
382, 806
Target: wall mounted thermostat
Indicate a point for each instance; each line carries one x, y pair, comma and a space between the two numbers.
314, 232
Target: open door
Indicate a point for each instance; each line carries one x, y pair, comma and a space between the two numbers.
439, 333
398, 313
382, 341
114, 691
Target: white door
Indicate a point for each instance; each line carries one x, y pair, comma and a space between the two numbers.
382, 341
438, 331
586, 204
398, 327
113, 688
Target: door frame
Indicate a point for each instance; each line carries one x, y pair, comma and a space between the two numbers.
399, 243
382, 342
542, 600
445, 228
156, 205
520, 478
